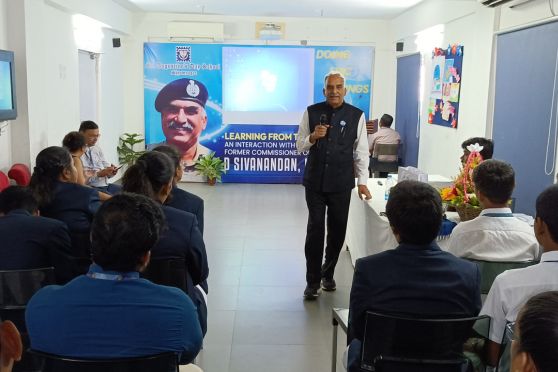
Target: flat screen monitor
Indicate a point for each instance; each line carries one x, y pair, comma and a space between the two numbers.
8, 107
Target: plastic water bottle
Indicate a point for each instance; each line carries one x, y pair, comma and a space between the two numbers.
390, 182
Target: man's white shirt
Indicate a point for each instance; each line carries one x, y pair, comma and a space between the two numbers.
513, 288
502, 239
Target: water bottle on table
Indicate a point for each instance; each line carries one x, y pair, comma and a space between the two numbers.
390, 182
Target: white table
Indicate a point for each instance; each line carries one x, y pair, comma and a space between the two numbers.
368, 232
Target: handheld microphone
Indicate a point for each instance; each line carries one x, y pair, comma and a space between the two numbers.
323, 121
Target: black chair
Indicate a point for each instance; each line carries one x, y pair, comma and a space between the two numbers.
16, 289
397, 344
376, 166
165, 362
490, 270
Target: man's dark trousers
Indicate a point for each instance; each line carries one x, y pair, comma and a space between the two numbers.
337, 205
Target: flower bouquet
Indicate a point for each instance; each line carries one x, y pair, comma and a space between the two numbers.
461, 195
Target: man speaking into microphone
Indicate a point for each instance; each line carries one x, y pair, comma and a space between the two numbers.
334, 133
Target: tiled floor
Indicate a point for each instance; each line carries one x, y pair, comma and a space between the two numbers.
254, 236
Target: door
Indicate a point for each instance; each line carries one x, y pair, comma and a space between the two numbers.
525, 109
407, 104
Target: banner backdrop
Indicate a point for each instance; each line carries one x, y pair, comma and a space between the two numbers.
254, 98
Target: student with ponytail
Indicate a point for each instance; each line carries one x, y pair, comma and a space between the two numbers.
152, 175
54, 186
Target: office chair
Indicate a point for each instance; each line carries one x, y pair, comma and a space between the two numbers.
376, 166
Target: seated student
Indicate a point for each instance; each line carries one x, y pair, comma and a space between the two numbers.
59, 196
111, 312
417, 278
384, 135
30, 241
536, 335
75, 143
152, 175
495, 235
487, 148
513, 288
181, 199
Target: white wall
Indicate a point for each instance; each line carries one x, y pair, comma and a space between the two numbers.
468, 24
5, 143
474, 26
48, 75
533, 11
241, 30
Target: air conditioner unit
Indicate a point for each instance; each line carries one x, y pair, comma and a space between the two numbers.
494, 3
195, 30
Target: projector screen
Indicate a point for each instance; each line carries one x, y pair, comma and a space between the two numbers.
267, 79
6, 101
8, 105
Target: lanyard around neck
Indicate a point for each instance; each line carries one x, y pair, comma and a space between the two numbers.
502, 214
113, 277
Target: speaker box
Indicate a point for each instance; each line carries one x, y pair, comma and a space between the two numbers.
399, 46
116, 42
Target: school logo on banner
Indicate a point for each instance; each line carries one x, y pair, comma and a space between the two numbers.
183, 53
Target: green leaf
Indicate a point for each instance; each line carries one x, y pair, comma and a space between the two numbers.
210, 166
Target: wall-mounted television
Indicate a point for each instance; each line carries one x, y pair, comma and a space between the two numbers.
8, 106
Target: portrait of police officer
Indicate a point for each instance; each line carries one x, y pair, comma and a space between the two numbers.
183, 118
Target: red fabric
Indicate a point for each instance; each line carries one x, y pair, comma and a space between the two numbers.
4, 181
20, 174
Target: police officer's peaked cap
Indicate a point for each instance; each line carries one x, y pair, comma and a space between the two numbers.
183, 89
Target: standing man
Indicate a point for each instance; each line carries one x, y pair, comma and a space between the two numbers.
334, 133
183, 118
97, 169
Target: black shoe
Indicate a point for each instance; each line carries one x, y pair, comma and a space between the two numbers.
311, 293
328, 284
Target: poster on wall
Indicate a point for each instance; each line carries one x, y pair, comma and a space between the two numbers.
182, 100
243, 103
447, 65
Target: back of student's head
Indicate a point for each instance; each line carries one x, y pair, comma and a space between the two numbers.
49, 166
87, 124
171, 152
17, 197
495, 179
547, 207
150, 173
537, 325
487, 146
386, 120
414, 210
124, 229
74, 141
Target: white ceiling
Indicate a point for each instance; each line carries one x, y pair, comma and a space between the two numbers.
376, 9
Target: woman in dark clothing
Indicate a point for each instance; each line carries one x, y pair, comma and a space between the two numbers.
152, 175
59, 196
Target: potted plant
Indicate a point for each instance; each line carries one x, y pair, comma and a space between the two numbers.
126, 153
210, 166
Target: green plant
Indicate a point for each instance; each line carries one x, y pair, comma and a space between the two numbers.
210, 166
126, 152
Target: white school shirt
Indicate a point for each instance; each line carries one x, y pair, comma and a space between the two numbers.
501, 239
513, 288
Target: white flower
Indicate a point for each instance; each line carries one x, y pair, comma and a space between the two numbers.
474, 148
